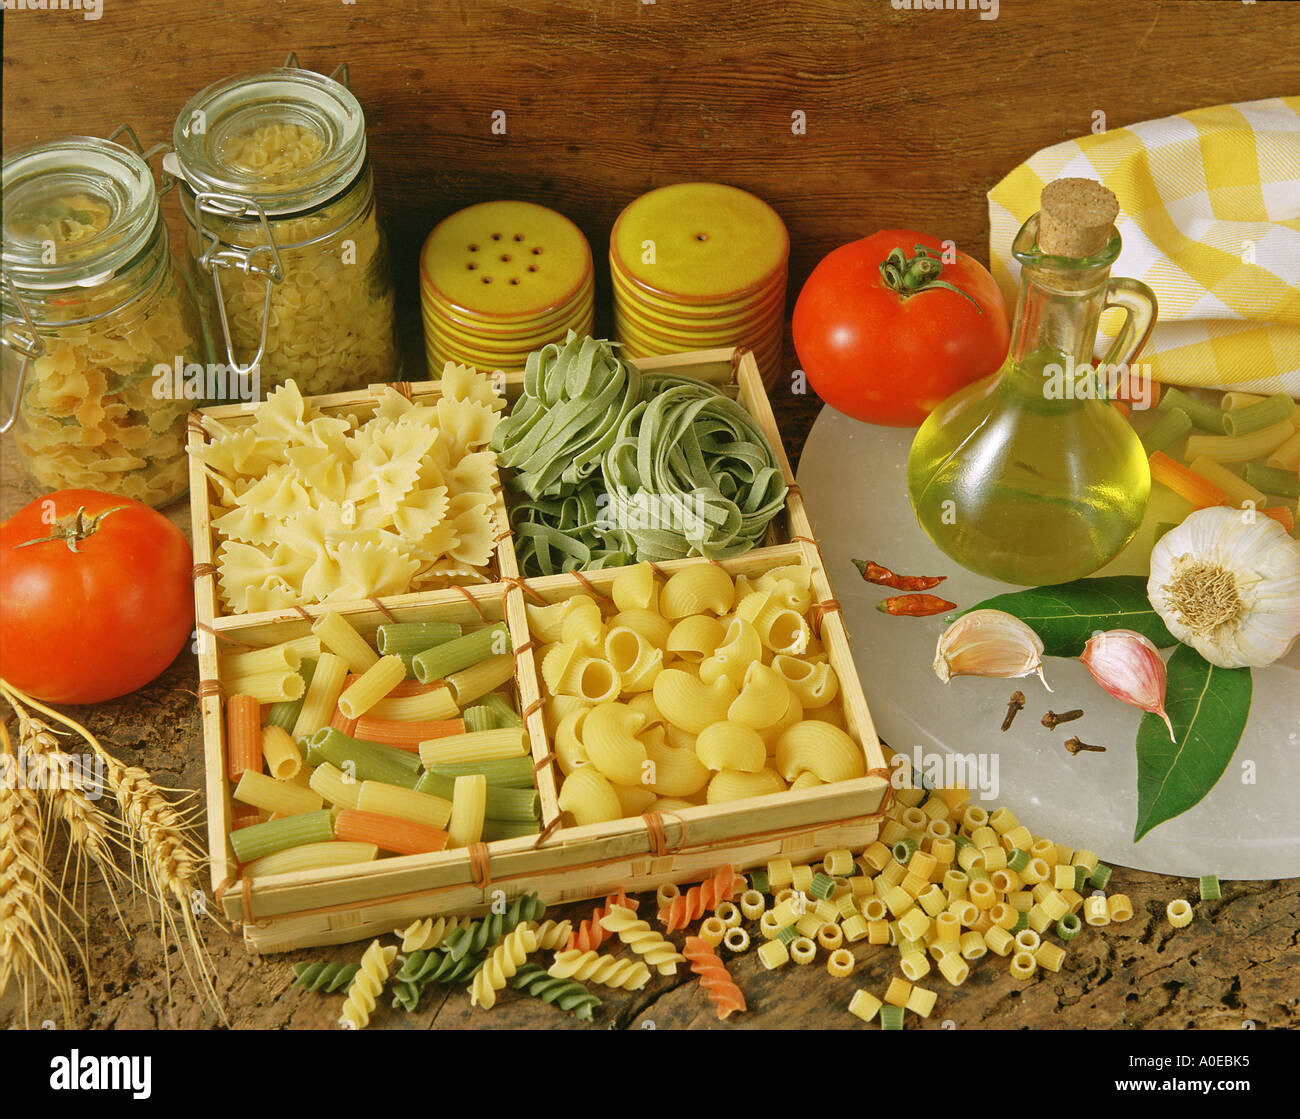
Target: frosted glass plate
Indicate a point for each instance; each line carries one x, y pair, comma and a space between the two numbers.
853, 478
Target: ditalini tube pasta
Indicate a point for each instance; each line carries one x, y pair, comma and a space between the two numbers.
442, 660
337, 635
312, 856
514, 773
334, 786
274, 796
506, 715
276, 835
271, 686
508, 829
407, 804
406, 639
431, 705
372, 686
272, 658
243, 735
487, 745
468, 808
322, 695
365, 761
280, 753
501, 803
406, 736
478, 680
285, 713
473, 719
402, 837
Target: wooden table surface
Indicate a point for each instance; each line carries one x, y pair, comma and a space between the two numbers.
910, 117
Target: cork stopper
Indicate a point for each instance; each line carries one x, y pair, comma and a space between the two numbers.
1076, 217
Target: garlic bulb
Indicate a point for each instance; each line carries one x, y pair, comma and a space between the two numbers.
989, 643
1227, 583
1129, 667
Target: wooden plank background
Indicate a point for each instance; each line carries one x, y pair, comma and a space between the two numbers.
910, 115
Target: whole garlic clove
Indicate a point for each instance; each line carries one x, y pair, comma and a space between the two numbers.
1129, 667
989, 643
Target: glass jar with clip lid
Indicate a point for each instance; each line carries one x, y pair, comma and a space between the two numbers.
291, 263
96, 320
1031, 476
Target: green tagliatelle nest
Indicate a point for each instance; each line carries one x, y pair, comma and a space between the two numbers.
615, 467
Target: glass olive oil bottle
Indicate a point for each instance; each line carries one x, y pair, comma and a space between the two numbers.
1031, 476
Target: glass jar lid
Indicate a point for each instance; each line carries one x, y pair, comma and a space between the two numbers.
286, 139
76, 211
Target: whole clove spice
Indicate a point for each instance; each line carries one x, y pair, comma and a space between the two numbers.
1015, 705
1074, 745
1052, 720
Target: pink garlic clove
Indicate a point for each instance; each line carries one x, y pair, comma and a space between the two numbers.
1129, 667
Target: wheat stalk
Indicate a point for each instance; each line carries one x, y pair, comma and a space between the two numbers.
163, 861
29, 929
91, 831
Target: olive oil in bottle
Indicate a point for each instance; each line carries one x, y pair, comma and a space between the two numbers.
1031, 476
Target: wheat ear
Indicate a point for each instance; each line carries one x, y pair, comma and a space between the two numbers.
168, 866
94, 834
29, 929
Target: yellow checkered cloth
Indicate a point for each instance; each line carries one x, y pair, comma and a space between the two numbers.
1210, 218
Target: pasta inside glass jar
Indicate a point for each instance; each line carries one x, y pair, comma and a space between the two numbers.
284, 237
89, 274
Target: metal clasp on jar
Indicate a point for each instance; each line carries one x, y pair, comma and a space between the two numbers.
216, 256
165, 178
23, 339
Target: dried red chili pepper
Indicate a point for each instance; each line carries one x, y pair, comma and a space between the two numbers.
914, 605
883, 577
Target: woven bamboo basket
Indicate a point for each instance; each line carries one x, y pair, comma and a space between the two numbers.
564, 863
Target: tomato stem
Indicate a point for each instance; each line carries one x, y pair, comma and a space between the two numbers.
73, 529
910, 275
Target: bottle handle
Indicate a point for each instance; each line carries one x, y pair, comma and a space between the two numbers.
1139, 305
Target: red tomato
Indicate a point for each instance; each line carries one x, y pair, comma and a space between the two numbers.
889, 353
90, 624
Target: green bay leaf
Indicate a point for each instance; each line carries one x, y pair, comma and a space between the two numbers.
1067, 614
1208, 707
